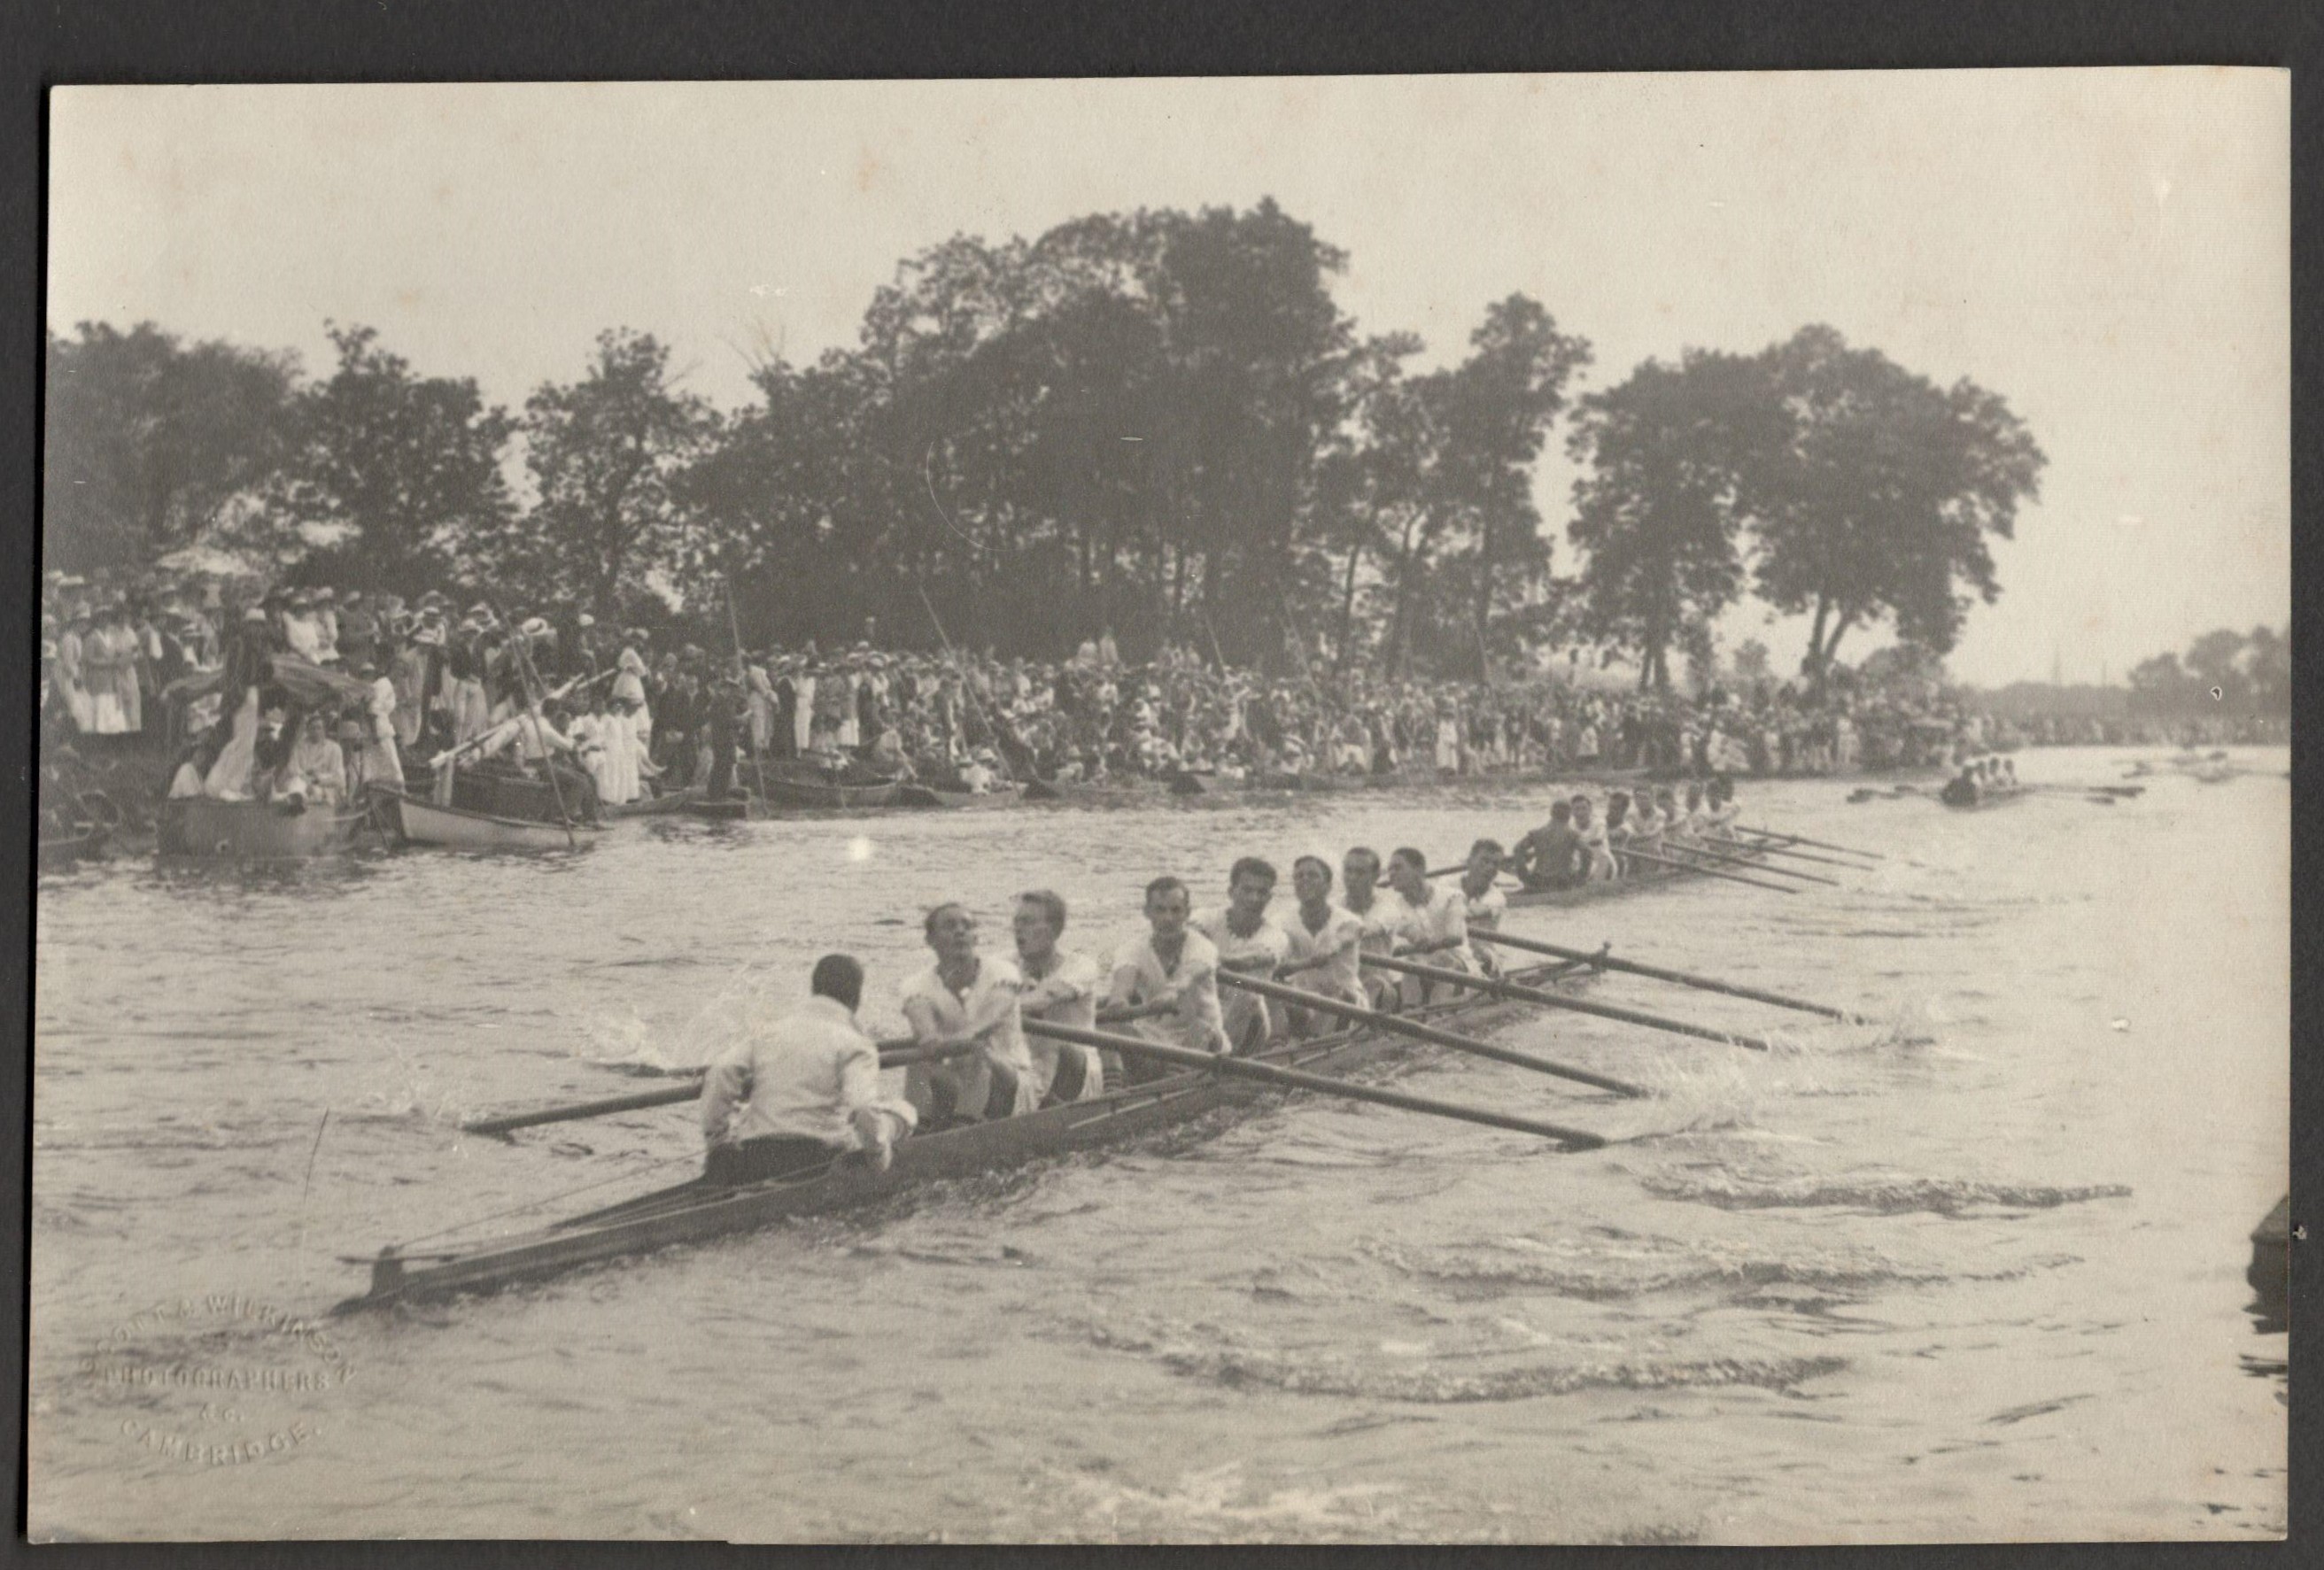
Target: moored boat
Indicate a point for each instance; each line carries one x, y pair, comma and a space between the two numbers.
206, 826
415, 821
694, 1211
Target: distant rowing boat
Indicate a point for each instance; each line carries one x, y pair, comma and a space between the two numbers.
203, 826
694, 1211
1638, 882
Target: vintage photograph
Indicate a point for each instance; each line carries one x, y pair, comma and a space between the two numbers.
1499, 809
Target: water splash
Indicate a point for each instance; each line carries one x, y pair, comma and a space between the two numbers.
1888, 1194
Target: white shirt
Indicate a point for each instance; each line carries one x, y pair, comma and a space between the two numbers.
803, 1074
1138, 977
987, 1009
1340, 942
1485, 909
1238, 1009
1066, 996
1443, 918
1377, 920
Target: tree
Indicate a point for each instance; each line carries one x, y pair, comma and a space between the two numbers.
2215, 658
1672, 455
1494, 411
2160, 685
151, 444
607, 454
404, 470
2267, 669
1879, 503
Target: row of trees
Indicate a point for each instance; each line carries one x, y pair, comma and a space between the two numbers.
2224, 672
1160, 421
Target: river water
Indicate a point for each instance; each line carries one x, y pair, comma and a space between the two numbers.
1975, 1273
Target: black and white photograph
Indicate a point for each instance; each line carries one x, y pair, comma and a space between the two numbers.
1524, 809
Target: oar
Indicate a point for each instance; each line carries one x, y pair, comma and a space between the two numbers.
1500, 988
892, 1054
1606, 962
1696, 866
1728, 857
1298, 1079
1394, 1025
1818, 844
1762, 847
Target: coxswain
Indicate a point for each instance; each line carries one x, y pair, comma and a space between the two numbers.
1325, 946
1551, 856
1482, 902
1431, 920
1061, 988
1166, 981
1596, 850
800, 1089
1361, 870
968, 1000
1247, 941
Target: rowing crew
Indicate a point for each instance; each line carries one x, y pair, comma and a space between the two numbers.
798, 1089
1577, 845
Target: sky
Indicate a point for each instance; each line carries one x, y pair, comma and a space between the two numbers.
2108, 250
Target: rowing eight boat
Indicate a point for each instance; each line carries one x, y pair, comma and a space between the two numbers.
694, 1211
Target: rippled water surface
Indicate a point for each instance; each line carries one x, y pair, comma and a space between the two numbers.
1978, 1273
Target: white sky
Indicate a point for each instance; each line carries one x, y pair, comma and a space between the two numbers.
2108, 250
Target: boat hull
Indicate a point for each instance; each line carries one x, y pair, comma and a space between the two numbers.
693, 1212
418, 823
202, 826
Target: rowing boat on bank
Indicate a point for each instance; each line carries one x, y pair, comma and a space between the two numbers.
412, 821
205, 826
694, 1211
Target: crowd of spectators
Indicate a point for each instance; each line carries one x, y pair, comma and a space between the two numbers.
630, 706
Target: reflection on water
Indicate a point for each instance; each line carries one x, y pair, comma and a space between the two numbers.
1929, 1279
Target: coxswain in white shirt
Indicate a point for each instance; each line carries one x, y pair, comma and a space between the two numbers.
966, 999
1482, 902
1431, 920
1359, 871
801, 1089
1061, 986
1326, 948
1249, 942
1166, 981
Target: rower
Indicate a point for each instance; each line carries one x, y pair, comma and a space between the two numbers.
967, 999
1482, 902
1719, 811
1619, 828
1246, 941
1360, 867
801, 1089
1170, 978
1698, 820
1597, 852
1061, 988
1429, 920
1645, 825
1551, 856
1326, 944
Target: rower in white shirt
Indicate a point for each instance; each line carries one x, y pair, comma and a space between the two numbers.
1323, 948
1719, 811
1377, 916
1247, 941
1594, 841
1482, 902
1061, 988
801, 1089
967, 998
1167, 978
1431, 920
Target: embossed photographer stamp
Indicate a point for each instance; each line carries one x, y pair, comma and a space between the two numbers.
220, 1380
